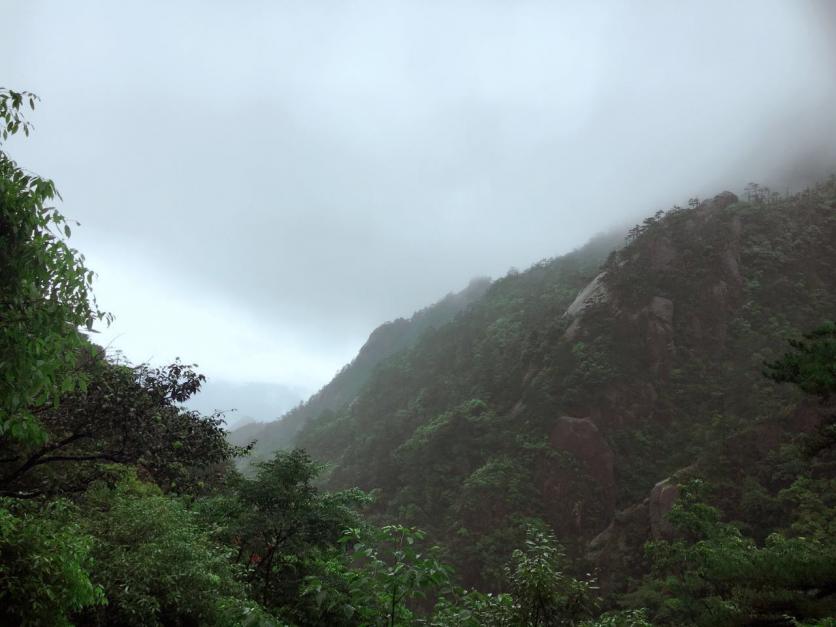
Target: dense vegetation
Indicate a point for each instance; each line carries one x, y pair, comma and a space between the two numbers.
387, 340
529, 406
521, 426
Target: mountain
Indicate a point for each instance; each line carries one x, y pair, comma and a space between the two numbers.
570, 392
385, 341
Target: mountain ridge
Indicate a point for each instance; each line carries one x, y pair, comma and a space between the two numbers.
527, 406
384, 341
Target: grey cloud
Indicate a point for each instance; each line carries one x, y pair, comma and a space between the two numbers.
322, 167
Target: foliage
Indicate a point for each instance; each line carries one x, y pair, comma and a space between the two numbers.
44, 290
384, 572
128, 415
714, 575
668, 365
622, 618
127, 508
812, 363
278, 524
384, 342
544, 593
45, 559
156, 564
473, 608
541, 594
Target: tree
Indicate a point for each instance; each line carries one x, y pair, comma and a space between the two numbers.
44, 290
811, 365
714, 575
544, 593
157, 563
124, 415
383, 573
280, 524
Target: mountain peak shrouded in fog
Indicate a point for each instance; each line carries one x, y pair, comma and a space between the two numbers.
296, 174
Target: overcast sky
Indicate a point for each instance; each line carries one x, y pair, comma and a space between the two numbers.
260, 184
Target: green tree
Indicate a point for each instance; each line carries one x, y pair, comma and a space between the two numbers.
44, 289
384, 572
714, 575
125, 415
158, 564
45, 558
541, 594
280, 526
544, 593
811, 365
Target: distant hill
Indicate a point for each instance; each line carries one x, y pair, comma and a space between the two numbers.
385, 341
244, 402
569, 392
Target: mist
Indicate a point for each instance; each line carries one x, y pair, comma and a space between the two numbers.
260, 184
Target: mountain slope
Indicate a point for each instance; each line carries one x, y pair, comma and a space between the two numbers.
384, 341
569, 390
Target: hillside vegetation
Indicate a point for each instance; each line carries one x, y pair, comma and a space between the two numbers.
384, 342
570, 390
637, 433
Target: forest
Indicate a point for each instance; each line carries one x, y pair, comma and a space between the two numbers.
641, 432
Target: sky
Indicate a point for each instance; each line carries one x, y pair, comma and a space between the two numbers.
260, 184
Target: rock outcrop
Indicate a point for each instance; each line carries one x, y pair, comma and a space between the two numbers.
594, 292
659, 334
587, 500
718, 203
662, 497
616, 552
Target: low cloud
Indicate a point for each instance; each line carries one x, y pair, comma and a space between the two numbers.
262, 183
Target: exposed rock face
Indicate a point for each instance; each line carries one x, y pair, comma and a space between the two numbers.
718, 203
625, 403
616, 551
662, 309
721, 290
573, 331
662, 254
582, 438
594, 292
659, 334
662, 497
655, 323
585, 507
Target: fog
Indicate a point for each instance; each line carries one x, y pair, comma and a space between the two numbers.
261, 183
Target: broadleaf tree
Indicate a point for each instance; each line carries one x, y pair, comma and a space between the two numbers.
45, 286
